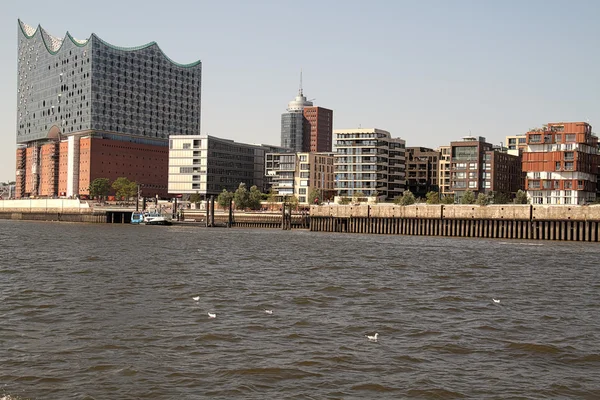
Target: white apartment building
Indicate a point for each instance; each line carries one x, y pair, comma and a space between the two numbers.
370, 163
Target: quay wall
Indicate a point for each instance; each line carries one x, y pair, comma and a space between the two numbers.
506, 221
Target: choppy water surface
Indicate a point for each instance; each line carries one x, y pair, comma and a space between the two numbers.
107, 312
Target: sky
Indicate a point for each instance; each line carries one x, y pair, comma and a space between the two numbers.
427, 71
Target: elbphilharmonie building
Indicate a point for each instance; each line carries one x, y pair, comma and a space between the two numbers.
87, 109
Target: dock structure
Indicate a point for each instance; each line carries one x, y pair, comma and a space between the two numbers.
507, 221
503, 221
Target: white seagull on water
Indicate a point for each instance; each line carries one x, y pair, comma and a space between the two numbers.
372, 338
212, 315
196, 298
269, 312
496, 301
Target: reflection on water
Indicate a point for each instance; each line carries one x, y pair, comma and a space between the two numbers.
108, 311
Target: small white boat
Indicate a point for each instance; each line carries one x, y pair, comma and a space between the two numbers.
156, 218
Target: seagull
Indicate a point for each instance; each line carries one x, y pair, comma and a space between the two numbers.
496, 301
211, 315
269, 312
372, 338
196, 298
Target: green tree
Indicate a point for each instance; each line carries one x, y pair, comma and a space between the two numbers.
447, 199
224, 198
433, 198
406, 199
468, 197
241, 197
314, 197
124, 188
521, 197
254, 198
292, 201
272, 196
482, 199
99, 188
499, 198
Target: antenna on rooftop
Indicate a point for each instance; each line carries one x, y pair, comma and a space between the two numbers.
300, 91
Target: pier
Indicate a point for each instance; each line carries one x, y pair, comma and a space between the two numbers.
507, 221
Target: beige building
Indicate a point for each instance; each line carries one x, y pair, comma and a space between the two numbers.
516, 144
444, 169
299, 174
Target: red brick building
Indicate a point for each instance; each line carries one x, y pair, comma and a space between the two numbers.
561, 163
317, 129
88, 158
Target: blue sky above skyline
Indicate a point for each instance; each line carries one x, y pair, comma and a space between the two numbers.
429, 72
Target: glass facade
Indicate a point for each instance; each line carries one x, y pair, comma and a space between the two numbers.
292, 130
69, 85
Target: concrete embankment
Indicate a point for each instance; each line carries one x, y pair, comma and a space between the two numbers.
576, 223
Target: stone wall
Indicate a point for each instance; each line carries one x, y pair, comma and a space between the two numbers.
463, 212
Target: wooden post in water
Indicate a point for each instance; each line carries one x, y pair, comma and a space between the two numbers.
283, 214
212, 211
207, 212
230, 222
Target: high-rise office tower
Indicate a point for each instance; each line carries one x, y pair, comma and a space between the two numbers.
88, 109
306, 128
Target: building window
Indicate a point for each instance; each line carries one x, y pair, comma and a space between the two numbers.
569, 166
535, 138
302, 191
472, 184
187, 146
472, 165
558, 138
557, 167
568, 184
569, 156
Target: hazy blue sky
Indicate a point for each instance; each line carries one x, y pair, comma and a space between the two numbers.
427, 71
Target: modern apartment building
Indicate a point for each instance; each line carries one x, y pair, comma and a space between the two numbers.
369, 163
299, 174
206, 165
422, 170
444, 165
477, 167
561, 164
87, 109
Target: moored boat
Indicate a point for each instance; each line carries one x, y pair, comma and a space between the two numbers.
156, 218
137, 217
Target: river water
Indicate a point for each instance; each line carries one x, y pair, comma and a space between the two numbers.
107, 312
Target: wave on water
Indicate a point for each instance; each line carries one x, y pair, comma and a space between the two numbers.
374, 387
435, 394
271, 373
535, 348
